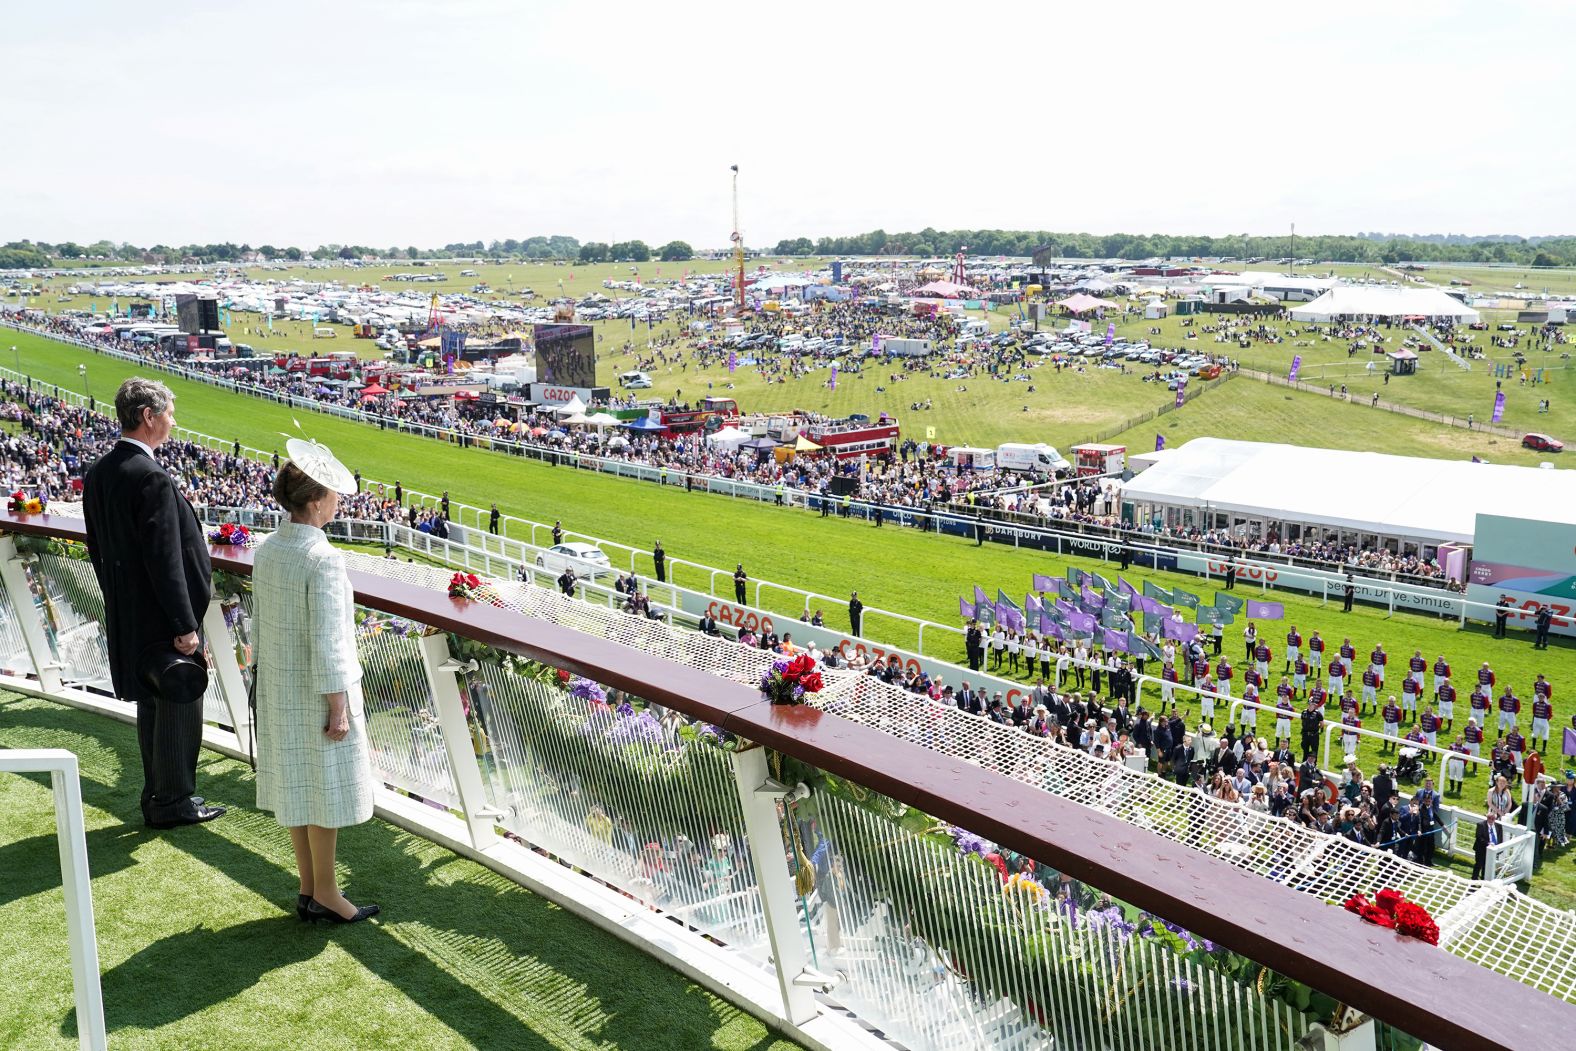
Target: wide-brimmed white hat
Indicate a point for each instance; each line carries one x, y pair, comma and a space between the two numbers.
319, 464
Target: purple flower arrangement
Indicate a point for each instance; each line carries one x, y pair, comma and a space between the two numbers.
587, 690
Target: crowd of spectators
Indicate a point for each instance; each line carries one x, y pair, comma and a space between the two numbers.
913, 478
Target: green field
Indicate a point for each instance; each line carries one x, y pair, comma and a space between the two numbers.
194, 936
901, 570
1064, 409
1439, 385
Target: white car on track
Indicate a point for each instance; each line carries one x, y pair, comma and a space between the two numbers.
584, 560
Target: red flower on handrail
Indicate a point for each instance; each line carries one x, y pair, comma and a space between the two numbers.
1390, 910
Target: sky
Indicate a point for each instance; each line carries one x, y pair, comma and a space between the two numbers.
424, 122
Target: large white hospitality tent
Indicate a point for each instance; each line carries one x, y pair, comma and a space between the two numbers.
1305, 492
1362, 301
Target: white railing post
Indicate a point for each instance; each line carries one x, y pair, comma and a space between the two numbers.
441, 679
1361, 1036
227, 667
13, 574
758, 796
71, 833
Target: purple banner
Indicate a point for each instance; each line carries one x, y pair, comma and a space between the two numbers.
1054, 630
1045, 583
1092, 600
1180, 630
1115, 640
1499, 406
1160, 442
1265, 610
1125, 588
1110, 333
1181, 396
834, 375
965, 609
1083, 623
733, 359
980, 595
1296, 367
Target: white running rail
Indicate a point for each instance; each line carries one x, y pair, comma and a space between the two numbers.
61, 766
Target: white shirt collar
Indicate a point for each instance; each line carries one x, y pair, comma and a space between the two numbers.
144, 446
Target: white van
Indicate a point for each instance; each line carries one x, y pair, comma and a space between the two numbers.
978, 459
1031, 459
635, 381
323, 333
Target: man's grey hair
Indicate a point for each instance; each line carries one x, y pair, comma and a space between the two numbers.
137, 394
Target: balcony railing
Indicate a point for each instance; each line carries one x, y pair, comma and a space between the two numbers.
627, 770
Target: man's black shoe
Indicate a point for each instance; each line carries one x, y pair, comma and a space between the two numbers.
195, 814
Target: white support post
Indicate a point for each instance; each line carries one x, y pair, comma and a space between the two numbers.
13, 574
1363, 1036
441, 669
227, 668
71, 833
758, 796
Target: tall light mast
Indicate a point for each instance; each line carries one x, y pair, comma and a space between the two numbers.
738, 247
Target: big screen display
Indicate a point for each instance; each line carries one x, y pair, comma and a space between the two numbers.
565, 355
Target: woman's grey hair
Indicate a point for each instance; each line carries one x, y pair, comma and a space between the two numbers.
137, 394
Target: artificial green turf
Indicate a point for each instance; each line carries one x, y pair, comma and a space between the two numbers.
197, 948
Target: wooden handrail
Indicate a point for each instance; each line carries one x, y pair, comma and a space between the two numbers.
1426, 992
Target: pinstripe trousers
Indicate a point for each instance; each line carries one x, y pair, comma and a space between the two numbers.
169, 736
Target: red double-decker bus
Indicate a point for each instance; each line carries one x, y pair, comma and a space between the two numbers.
854, 437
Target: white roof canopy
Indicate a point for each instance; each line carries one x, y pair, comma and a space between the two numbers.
1400, 496
1364, 300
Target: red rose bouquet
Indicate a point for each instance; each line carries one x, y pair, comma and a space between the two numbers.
1390, 910
789, 679
471, 587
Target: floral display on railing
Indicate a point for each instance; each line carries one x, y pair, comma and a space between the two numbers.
22, 504
473, 588
230, 535
790, 679
1390, 910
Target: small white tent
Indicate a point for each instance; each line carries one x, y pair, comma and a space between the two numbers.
727, 440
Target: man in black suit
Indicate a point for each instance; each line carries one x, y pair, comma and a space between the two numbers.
151, 560
1487, 835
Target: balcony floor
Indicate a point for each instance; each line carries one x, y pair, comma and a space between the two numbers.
197, 949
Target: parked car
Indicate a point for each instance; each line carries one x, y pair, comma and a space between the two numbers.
584, 560
1542, 443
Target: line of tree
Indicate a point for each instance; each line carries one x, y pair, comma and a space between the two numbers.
1046, 245
38, 254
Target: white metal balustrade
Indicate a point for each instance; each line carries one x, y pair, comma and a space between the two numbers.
579, 780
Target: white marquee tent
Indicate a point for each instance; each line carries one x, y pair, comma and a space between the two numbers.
1408, 497
1370, 301
727, 439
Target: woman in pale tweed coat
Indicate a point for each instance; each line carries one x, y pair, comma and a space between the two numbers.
313, 767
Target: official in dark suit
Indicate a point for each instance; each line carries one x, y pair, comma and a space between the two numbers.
151, 560
1487, 835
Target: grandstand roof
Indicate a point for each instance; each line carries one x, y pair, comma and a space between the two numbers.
1402, 496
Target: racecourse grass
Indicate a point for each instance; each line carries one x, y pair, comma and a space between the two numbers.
912, 573
199, 947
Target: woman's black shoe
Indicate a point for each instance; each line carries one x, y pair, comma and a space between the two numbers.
315, 911
303, 902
